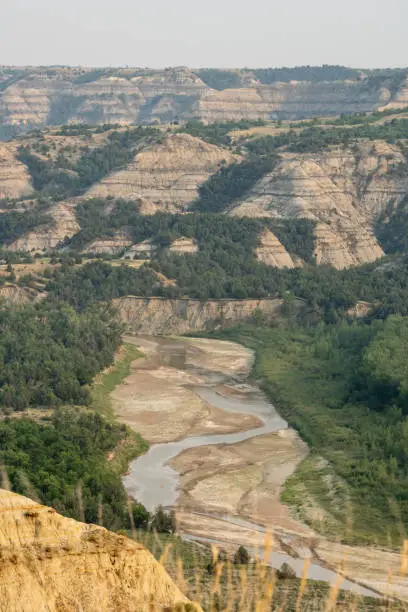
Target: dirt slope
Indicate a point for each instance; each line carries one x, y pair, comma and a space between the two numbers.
15, 181
51, 563
271, 252
342, 189
165, 176
64, 224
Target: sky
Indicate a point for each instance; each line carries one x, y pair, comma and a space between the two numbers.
211, 33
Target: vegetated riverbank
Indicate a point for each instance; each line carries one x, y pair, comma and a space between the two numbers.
132, 443
352, 485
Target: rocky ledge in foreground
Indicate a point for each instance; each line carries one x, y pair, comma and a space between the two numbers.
49, 562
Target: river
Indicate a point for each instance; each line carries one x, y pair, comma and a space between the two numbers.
153, 478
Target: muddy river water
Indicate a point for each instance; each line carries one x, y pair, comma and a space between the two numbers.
212, 435
153, 481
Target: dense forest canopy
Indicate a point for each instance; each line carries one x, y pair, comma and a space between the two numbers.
100, 281
315, 138
49, 352
206, 228
230, 79
220, 79
226, 268
232, 182
392, 227
52, 459
218, 132
14, 224
314, 74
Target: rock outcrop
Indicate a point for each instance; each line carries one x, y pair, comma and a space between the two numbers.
110, 245
52, 563
15, 181
400, 100
165, 176
64, 224
141, 250
13, 295
343, 190
160, 316
183, 245
271, 252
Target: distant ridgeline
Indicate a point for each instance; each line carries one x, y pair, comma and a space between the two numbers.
36, 97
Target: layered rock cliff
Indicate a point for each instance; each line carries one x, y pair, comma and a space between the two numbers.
159, 316
343, 190
15, 181
183, 245
165, 176
64, 224
272, 253
35, 97
110, 245
12, 295
290, 101
48, 562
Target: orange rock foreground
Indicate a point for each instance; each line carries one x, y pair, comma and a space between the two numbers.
49, 562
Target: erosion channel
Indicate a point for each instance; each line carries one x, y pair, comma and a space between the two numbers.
219, 451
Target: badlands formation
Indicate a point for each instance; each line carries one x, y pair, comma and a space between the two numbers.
59, 565
36, 97
165, 176
343, 190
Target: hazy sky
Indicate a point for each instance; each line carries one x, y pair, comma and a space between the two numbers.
217, 33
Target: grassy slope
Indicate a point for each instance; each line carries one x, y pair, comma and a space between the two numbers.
133, 444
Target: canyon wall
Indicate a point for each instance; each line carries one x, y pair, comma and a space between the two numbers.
35, 97
160, 316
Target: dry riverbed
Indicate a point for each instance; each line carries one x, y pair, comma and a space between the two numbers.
158, 401
223, 476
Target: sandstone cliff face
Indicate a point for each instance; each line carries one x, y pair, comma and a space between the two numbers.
13, 295
39, 97
272, 253
111, 245
15, 181
27, 103
289, 101
54, 564
343, 190
245, 103
47, 237
165, 176
157, 316
183, 245
400, 100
